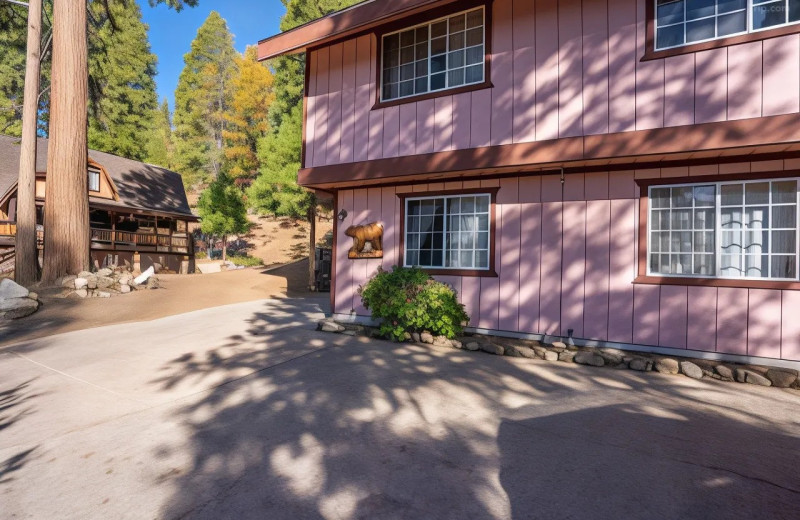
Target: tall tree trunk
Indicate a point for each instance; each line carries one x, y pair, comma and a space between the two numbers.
224, 248
312, 247
66, 238
26, 264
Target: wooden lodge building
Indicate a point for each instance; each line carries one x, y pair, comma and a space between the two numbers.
138, 213
620, 173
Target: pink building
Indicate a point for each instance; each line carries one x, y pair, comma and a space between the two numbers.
624, 172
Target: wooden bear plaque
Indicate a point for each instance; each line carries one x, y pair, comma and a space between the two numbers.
367, 240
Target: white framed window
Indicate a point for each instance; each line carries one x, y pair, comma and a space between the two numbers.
448, 232
94, 179
681, 22
442, 54
736, 229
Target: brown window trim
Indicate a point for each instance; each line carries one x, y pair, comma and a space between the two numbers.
480, 273
433, 14
650, 38
644, 213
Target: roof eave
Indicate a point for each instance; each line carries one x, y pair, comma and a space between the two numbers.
350, 21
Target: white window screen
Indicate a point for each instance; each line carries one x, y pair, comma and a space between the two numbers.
448, 232
745, 229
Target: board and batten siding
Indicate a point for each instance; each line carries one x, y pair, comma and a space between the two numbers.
567, 261
560, 68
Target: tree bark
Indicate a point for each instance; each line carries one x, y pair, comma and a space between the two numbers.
66, 238
224, 248
26, 263
312, 247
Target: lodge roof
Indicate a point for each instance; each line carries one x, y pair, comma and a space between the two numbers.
347, 22
140, 186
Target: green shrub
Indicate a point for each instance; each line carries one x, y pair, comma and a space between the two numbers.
409, 300
247, 261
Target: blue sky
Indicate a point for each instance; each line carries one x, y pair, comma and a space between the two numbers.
171, 33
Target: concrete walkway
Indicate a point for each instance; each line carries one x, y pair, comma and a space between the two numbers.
244, 411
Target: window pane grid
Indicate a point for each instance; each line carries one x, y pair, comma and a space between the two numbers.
439, 55
448, 232
745, 229
681, 22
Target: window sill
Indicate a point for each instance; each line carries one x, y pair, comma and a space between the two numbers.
476, 273
432, 95
716, 282
722, 42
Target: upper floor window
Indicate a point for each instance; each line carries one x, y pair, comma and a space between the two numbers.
681, 22
737, 229
438, 55
94, 179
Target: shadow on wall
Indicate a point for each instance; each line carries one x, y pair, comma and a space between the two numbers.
339, 427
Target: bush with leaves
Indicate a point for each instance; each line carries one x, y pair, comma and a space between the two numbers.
407, 299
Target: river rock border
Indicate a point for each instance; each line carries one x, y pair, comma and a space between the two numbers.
558, 351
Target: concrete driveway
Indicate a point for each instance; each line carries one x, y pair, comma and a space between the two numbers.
245, 412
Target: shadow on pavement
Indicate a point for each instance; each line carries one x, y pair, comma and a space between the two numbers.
336, 427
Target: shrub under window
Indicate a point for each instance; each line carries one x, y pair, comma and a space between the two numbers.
408, 300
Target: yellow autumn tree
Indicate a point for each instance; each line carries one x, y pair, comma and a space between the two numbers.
247, 117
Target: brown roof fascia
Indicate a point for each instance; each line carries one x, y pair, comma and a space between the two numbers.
747, 136
347, 22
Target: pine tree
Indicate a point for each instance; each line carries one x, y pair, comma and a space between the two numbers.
160, 148
276, 191
202, 99
122, 85
13, 33
222, 210
247, 119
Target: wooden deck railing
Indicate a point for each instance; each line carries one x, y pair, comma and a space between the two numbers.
165, 243
8, 228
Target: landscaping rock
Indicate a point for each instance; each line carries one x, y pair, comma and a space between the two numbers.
491, 348
104, 282
472, 346
611, 356
349, 332
456, 344
640, 364
124, 289
9, 289
67, 281
103, 294
426, 337
667, 366
415, 337
91, 282
105, 272
540, 352
551, 356
82, 293
689, 369
152, 283
567, 356
781, 378
80, 283
33, 296
330, 326
520, 351
559, 345
588, 358
441, 341
85, 274
15, 308
724, 372
748, 376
